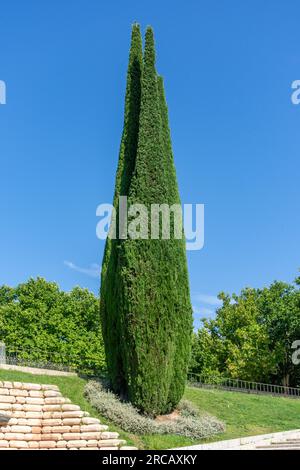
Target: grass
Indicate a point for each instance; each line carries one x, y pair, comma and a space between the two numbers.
247, 414
243, 414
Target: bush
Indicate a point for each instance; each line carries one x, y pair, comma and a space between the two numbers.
189, 424
187, 408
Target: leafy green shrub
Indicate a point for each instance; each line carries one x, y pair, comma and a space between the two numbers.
189, 424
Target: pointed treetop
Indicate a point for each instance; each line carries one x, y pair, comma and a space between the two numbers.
136, 47
135, 28
149, 55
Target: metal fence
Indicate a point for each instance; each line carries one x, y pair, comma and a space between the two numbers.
237, 385
45, 359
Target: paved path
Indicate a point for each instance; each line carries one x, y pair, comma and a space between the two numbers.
280, 440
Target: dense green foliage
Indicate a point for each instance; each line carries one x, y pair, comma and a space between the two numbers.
180, 312
145, 303
44, 323
109, 287
251, 337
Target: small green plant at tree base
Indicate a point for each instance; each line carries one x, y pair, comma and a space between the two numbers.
189, 423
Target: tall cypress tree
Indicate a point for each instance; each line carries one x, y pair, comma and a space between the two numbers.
155, 301
145, 300
127, 156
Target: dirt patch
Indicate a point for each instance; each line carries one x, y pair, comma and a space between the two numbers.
167, 418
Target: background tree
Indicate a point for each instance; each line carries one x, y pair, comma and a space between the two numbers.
280, 312
43, 323
151, 304
252, 335
205, 358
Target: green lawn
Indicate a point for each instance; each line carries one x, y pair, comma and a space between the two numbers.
243, 414
246, 414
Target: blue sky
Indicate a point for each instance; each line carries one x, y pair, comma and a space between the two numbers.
228, 68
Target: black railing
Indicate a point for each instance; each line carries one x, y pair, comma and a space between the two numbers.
44, 359
237, 385
49, 361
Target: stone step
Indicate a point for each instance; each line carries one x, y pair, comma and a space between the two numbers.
284, 443
34, 416
276, 448
278, 445
287, 442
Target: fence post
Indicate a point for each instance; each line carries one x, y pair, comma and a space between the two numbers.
2, 353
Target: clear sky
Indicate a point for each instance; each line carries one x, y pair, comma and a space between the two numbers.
228, 68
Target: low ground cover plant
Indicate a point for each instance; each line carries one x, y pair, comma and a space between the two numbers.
188, 423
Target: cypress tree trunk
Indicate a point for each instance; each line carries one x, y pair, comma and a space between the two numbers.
145, 302
127, 156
